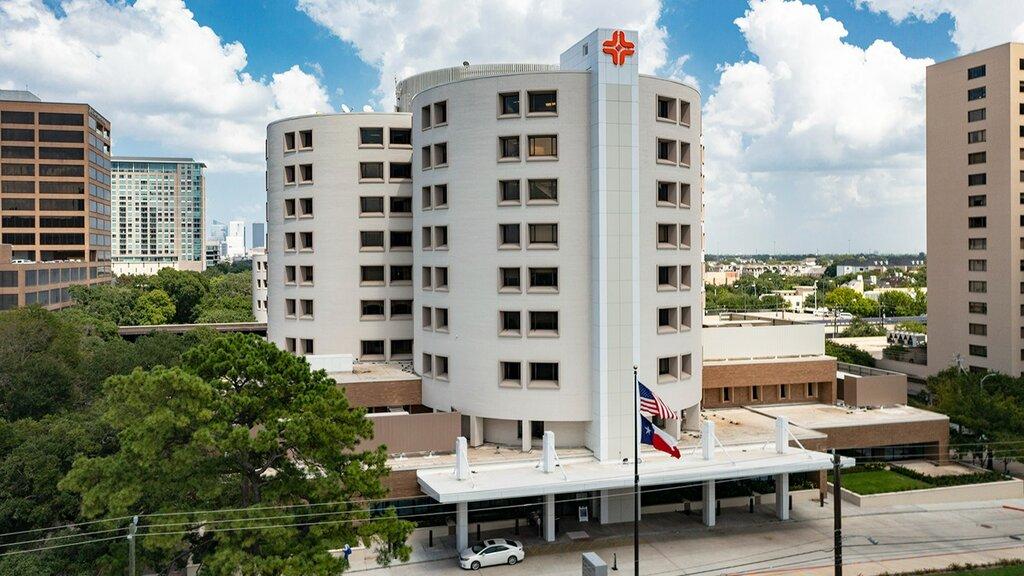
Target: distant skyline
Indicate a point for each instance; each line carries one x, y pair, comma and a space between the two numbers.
814, 110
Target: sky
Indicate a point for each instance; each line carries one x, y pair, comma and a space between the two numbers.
813, 109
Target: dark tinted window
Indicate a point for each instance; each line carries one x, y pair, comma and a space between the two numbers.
46, 153
19, 152
61, 170
402, 136
61, 238
61, 119
61, 205
61, 136
13, 117
61, 188
976, 72
18, 134
18, 204
543, 101
510, 103
18, 170
18, 221
400, 170
61, 221
373, 136
976, 93
371, 170
20, 238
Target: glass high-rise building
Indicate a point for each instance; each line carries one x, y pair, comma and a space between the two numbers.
158, 218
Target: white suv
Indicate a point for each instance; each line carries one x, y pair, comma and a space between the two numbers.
492, 553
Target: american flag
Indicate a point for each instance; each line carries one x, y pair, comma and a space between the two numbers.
652, 404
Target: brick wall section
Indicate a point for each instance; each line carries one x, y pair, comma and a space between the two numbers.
384, 393
769, 376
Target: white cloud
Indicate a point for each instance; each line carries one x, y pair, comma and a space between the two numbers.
155, 72
979, 24
404, 38
814, 124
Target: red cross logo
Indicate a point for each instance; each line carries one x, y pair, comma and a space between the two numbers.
618, 48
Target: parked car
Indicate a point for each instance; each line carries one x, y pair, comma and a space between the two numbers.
492, 553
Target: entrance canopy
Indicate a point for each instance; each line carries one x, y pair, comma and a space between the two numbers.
581, 474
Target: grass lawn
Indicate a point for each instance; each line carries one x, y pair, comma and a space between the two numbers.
880, 481
1000, 571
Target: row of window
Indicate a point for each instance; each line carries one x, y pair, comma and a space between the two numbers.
538, 236
373, 310
374, 171
298, 208
373, 206
673, 152
434, 237
674, 319
374, 275
301, 140
298, 275
298, 241
45, 153
434, 197
673, 236
48, 222
540, 374
673, 194
673, 110
374, 350
301, 346
29, 135
434, 278
55, 238
45, 118
673, 368
435, 114
373, 240
373, 137
298, 308
542, 323
435, 156
45, 170
541, 146
756, 393
434, 319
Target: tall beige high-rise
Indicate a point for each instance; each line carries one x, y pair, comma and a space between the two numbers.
976, 211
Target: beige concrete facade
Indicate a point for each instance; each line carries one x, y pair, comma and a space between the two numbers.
54, 200
975, 257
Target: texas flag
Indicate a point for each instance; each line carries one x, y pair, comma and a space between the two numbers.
654, 436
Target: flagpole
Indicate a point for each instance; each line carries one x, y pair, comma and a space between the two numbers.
636, 475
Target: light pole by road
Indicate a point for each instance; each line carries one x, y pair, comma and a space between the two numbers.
981, 384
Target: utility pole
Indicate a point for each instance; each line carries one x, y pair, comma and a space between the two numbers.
131, 545
837, 512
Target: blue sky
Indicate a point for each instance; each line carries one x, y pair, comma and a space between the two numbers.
789, 165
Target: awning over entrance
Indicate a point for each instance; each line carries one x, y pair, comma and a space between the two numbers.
581, 474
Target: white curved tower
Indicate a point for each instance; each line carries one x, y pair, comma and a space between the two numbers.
339, 218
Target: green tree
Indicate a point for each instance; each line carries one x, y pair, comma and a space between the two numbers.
240, 425
897, 303
153, 307
229, 299
39, 361
858, 328
848, 353
917, 327
842, 298
186, 290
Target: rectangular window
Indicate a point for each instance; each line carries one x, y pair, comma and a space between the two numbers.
975, 72
289, 240
441, 367
975, 329
400, 170
543, 235
668, 278
61, 119
306, 173
401, 349
668, 369
371, 170
400, 275
425, 156
977, 179
400, 137
667, 236
543, 373
543, 323
17, 117
401, 309
289, 141
812, 389
545, 279
306, 274
666, 108
371, 206
976, 137
543, 146
307, 308
783, 391
977, 222
371, 275
542, 102
426, 278
371, 309
542, 191
509, 279
306, 139
977, 307
400, 239
511, 374
667, 151
305, 240
18, 170
441, 278
289, 208
24, 135
667, 194
668, 320
976, 158
440, 237
977, 265
976, 115
440, 156
510, 323
726, 394
976, 93
372, 350
977, 286
977, 243
21, 152
371, 239
508, 236
427, 318
976, 350
684, 153
440, 113
428, 364
508, 192
425, 120
508, 148
976, 201
441, 196
289, 174
371, 136
508, 104
400, 206
427, 236
425, 198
